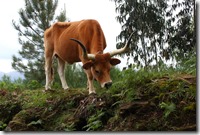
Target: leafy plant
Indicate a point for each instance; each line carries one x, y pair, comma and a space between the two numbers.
168, 108
2, 125
69, 127
75, 76
33, 84
38, 122
94, 121
7, 84
188, 64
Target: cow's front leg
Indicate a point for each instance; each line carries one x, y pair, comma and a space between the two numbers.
90, 85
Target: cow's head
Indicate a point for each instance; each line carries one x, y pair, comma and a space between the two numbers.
100, 68
101, 63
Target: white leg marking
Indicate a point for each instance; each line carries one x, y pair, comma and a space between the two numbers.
90, 81
48, 72
61, 69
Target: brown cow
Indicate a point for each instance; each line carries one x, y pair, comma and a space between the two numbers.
79, 41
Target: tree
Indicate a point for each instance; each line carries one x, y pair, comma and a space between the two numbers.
182, 36
35, 18
156, 35
147, 18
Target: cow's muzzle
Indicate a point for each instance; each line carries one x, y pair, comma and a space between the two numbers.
108, 85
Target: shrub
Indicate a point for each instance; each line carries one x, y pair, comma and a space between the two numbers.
33, 84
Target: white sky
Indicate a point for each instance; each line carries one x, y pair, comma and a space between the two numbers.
101, 10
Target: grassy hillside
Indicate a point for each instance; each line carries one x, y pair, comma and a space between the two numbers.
137, 101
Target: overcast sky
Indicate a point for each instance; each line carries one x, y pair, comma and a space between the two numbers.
101, 10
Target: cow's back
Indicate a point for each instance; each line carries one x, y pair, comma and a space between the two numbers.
57, 39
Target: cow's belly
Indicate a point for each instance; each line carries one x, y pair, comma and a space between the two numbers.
69, 55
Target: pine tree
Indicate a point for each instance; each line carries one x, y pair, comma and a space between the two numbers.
35, 18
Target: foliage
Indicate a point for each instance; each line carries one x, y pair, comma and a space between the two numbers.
188, 63
33, 84
94, 121
115, 74
164, 30
75, 76
181, 36
35, 18
137, 101
2, 125
171, 92
7, 84
168, 108
146, 17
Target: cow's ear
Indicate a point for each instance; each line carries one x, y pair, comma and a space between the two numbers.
88, 65
114, 61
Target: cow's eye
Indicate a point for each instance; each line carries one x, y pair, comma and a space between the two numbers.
97, 72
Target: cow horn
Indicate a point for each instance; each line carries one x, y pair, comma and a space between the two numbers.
85, 54
124, 49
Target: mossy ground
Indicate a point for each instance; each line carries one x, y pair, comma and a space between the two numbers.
137, 101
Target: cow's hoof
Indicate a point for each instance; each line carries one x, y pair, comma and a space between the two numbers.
66, 88
48, 90
45, 90
92, 93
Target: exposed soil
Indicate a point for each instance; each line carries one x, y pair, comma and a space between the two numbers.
159, 104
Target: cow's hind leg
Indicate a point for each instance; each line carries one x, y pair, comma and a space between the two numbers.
61, 72
48, 72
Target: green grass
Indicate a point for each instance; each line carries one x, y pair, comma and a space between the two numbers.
147, 100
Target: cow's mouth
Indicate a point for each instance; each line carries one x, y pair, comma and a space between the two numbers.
106, 85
